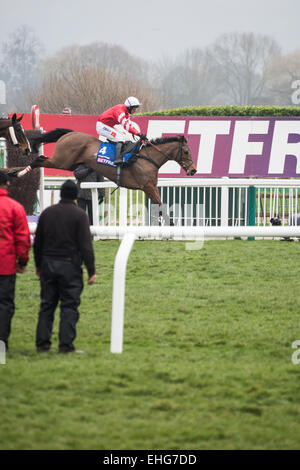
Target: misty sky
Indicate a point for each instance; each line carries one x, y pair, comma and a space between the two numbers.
151, 29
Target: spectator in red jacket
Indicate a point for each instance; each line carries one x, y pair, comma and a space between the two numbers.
115, 125
14, 253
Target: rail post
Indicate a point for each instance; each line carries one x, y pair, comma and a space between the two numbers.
3, 153
251, 208
123, 207
224, 204
118, 301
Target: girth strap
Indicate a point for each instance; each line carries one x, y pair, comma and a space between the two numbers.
118, 175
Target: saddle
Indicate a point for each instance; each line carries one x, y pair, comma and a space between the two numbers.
107, 153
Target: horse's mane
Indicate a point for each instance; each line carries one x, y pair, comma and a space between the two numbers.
166, 140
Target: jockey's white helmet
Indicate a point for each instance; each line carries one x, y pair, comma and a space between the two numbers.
131, 102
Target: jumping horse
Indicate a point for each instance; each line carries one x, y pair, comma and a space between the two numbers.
13, 131
73, 148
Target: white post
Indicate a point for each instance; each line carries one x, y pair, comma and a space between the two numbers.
123, 207
95, 206
95, 209
42, 179
42, 189
117, 321
224, 204
2, 352
3, 153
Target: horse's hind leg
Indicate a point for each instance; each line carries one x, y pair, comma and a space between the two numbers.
40, 161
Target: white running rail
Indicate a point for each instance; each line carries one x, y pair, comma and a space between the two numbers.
129, 234
191, 201
202, 201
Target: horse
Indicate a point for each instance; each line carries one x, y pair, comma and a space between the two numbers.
13, 131
73, 148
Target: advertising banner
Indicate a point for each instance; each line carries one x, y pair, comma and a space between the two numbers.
221, 146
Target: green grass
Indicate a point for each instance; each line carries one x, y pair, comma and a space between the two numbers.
206, 361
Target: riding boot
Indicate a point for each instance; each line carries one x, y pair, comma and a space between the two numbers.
118, 159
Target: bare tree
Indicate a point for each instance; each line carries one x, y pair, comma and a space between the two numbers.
91, 78
20, 56
88, 90
241, 60
110, 57
188, 80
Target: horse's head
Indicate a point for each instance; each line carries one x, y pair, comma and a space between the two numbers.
184, 157
17, 134
176, 149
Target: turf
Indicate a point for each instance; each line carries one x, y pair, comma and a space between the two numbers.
206, 361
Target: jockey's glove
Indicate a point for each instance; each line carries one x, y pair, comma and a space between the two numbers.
143, 136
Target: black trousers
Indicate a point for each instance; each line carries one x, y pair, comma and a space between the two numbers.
7, 305
86, 204
61, 281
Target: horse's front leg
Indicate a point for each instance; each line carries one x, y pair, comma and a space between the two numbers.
152, 192
161, 218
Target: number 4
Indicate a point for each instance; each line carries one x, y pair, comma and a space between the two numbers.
103, 150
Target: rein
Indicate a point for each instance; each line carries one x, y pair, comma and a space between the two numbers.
150, 160
146, 157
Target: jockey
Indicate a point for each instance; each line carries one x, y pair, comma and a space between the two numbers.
115, 124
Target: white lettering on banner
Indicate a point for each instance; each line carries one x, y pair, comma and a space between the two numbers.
241, 147
281, 147
208, 131
156, 129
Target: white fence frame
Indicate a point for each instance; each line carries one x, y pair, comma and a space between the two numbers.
261, 185
274, 197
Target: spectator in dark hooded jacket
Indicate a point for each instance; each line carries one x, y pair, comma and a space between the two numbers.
62, 242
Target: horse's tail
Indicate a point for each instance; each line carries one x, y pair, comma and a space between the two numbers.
48, 137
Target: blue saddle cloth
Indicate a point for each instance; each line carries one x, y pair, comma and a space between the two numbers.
106, 154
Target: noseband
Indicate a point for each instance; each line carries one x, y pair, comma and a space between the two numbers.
12, 134
9, 127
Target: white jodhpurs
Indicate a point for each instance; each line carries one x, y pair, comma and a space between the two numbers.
110, 133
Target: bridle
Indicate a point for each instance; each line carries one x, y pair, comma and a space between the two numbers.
176, 159
12, 135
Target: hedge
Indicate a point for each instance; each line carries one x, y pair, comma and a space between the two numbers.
285, 111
